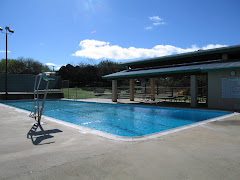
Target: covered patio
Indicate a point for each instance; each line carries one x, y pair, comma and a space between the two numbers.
218, 65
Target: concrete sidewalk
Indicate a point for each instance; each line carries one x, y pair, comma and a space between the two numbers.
210, 151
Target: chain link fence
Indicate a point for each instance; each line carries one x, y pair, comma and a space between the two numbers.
179, 94
25, 83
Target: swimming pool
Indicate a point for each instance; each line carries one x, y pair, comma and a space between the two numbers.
120, 119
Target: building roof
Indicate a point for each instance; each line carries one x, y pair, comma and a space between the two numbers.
200, 55
197, 68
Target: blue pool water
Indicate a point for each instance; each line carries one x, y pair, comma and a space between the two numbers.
121, 120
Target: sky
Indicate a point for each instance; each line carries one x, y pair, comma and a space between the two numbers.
58, 32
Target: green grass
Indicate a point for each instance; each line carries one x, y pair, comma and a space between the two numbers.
81, 93
73, 93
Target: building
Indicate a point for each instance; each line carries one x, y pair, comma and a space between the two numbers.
220, 65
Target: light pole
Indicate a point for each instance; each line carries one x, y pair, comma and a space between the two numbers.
1, 29
8, 31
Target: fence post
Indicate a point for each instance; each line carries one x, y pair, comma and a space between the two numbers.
76, 92
131, 82
194, 90
68, 89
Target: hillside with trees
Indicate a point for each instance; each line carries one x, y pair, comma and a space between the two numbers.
89, 75
22, 66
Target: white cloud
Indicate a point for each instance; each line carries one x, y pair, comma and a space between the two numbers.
51, 64
156, 21
56, 67
148, 28
2, 51
155, 18
211, 46
103, 50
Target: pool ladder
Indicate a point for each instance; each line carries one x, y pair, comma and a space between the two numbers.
37, 110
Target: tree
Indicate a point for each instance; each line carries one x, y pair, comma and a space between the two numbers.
22, 66
89, 75
107, 67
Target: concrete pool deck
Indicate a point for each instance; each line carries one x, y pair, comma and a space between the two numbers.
208, 151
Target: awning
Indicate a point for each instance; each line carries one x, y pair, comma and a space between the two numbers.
173, 70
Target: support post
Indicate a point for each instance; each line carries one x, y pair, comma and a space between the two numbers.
207, 90
194, 90
224, 56
6, 73
131, 84
114, 90
152, 89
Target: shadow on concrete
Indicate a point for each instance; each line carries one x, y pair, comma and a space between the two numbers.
227, 123
38, 136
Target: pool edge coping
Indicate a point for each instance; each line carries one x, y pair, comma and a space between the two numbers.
85, 130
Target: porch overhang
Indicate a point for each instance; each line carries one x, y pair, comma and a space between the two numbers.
179, 69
